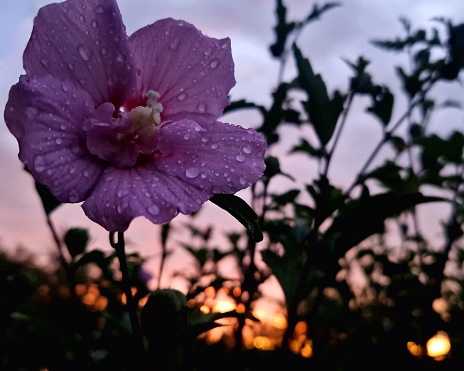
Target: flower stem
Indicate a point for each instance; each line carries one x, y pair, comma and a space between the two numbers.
131, 304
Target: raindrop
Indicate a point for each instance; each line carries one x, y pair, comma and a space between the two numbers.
243, 181
122, 207
247, 149
120, 58
205, 139
174, 44
49, 172
201, 107
153, 210
75, 149
214, 63
39, 164
72, 170
240, 158
123, 192
73, 196
182, 96
44, 62
99, 9
250, 131
85, 174
65, 87
84, 53
204, 175
214, 146
31, 112
187, 136
58, 141
81, 17
192, 172
71, 66
94, 23
198, 201
104, 51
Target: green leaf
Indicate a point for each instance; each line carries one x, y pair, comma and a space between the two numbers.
382, 105
243, 104
286, 198
201, 322
364, 217
282, 30
317, 10
306, 147
322, 111
240, 210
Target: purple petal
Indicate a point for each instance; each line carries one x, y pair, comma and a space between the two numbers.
83, 41
122, 195
46, 117
193, 73
216, 157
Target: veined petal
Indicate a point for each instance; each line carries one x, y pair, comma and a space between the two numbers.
46, 117
193, 73
84, 41
216, 157
124, 194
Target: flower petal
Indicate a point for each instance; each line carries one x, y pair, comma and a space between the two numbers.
193, 73
216, 157
122, 195
46, 116
83, 41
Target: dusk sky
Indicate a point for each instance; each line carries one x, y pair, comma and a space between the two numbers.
342, 33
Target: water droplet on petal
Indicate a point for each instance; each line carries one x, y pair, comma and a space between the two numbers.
247, 149
182, 96
104, 51
214, 146
72, 170
192, 172
58, 141
94, 23
99, 9
31, 112
75, 149
73, 196
198, 201
243, 181
85, 173
214, 63
71, 66
174, 43
122, 207
84, 52
187, 136
123, 192
44, 62
240, 158
120, 58
153, 210
81, 17
205, 139
204, 175
201, 107
39, 164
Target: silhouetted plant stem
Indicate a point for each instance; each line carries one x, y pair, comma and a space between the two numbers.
131, 303
338, 133
64, 263
165, 228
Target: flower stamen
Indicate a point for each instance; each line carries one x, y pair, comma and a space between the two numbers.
145, 119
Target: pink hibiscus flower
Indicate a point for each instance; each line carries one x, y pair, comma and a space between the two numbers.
128, 124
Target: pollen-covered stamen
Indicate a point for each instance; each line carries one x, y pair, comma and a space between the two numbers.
145, 119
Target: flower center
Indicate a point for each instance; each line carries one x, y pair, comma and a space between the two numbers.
145, 119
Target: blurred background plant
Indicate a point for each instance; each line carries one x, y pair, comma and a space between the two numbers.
363, 286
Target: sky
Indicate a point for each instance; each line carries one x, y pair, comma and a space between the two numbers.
342, 33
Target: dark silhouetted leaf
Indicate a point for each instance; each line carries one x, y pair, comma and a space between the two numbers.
322, 111
382, 105
240, 210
